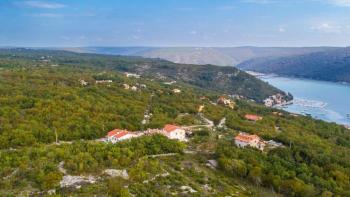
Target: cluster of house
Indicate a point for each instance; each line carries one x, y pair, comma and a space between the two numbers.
169, 130
277, 99
103, 81
133, 88
226, 102
244, 139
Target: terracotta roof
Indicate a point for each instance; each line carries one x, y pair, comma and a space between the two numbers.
116, 132
253, 117
246, 137
169, 128
121, 134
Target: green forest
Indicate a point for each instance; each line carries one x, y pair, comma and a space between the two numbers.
42, 99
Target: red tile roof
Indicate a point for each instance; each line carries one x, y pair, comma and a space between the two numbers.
117, 133
253, 117
246, 137
170, 128
121, 134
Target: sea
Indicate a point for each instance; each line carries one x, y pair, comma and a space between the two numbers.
329, 101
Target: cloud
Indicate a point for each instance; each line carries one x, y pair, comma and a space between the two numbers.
327, 28
47, 15
193, 32
282, 29
341, 3
43, 5
135, 37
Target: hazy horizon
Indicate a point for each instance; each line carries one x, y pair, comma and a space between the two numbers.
135, 46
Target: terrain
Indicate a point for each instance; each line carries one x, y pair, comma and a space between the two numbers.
43, 101
319, 63
333, 65
222, 56
228, 80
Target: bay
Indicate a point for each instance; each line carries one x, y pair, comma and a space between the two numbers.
328, 101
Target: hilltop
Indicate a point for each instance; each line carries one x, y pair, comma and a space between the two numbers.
333, 65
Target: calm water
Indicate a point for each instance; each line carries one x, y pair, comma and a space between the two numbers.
324, 100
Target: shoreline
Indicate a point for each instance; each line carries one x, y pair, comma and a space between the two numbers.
308, 101
260, 75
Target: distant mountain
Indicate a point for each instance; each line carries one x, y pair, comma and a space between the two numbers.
222, 56
331, 65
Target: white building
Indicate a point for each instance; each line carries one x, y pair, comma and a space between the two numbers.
117, 135
132, 75
176, 91
83, 82
174, 132
103, 81
243, 139
126, 86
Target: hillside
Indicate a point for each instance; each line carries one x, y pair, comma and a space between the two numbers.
331, 65
57, 95
227, 80
222, 56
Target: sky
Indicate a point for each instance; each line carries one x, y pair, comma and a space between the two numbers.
221, 23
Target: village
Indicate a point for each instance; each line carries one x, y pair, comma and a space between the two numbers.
183, 133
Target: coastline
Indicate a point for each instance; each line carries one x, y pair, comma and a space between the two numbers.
260, 75
324, 100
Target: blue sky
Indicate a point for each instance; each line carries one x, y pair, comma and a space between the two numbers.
174, 23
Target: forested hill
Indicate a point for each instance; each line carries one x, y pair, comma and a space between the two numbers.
333, 65
227, 80
45, 99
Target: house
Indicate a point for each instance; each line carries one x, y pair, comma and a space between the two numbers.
117, 135
268, 102
83, 82
169, 83
126, 86
132, 75
176, 91
103, 81
227, 102
277, 99
200, 108
243, 139
252, 117
174, 132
